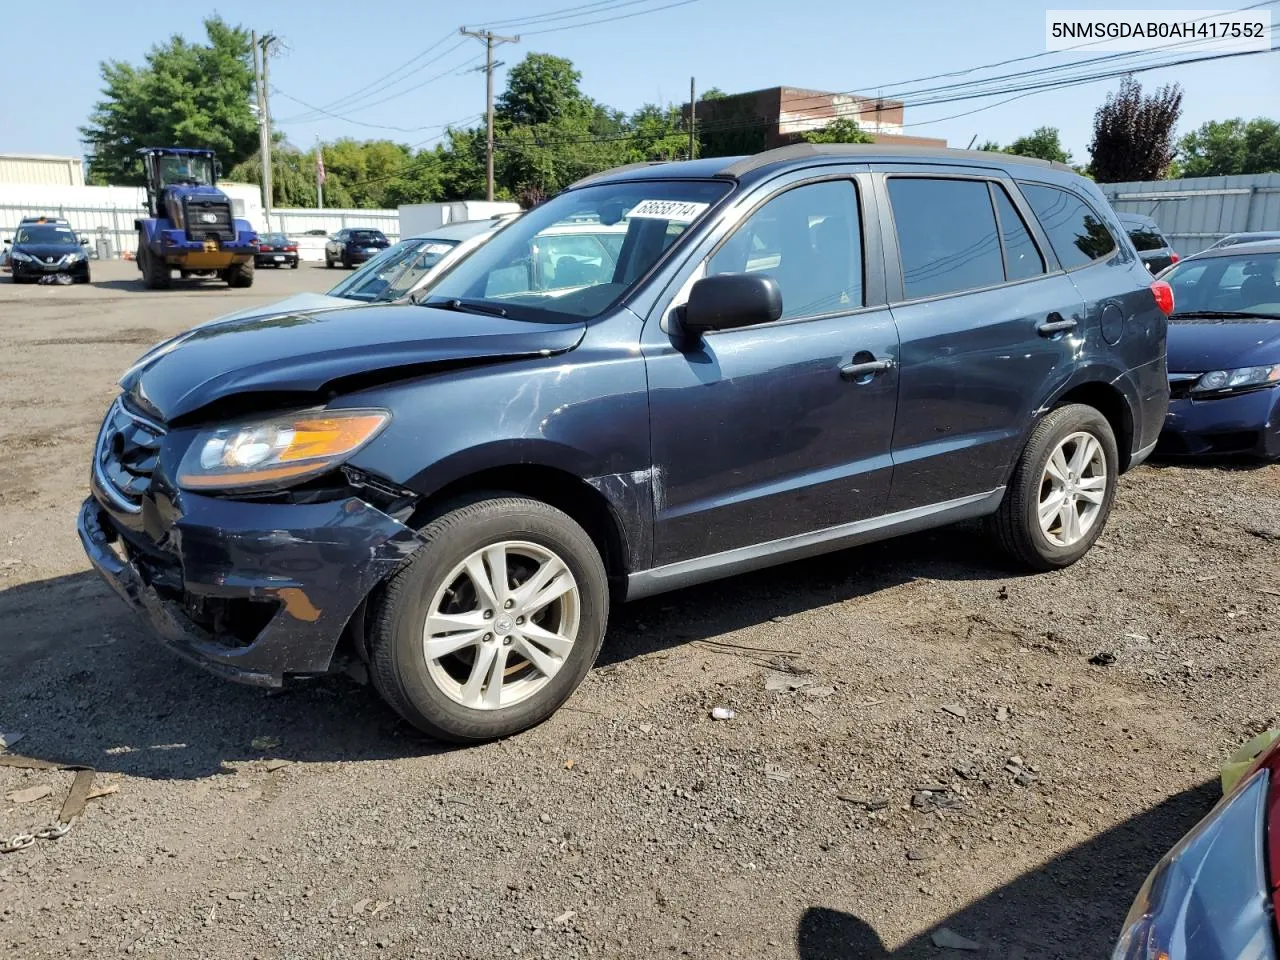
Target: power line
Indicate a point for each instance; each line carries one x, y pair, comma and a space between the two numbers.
347, 99
625, 16
566, 13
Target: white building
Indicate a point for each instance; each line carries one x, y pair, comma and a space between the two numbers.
39, 168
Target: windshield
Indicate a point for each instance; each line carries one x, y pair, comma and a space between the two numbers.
47, 233
1144, 239
192, 170
580, 252
1243, 283
394, 272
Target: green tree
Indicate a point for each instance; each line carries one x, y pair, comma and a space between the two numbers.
185, 95
660, 133
541, 89
1043, 142
990, 146
1133, 134
840, 130
1237, 146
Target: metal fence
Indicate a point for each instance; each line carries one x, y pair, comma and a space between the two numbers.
1196, 211
113, 221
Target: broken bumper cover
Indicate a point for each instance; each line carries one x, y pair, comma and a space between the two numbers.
305, 568
1247, 423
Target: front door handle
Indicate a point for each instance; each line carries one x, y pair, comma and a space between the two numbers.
856, 371
1054, 324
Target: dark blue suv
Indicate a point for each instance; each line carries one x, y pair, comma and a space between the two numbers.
780, 355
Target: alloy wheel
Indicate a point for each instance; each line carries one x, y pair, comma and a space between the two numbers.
1073, 489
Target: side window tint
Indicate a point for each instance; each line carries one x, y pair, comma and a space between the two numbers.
809, 239
1077, 234
946, 235
1021, 256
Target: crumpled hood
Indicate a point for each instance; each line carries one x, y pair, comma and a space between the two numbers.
301, 352
1196, 346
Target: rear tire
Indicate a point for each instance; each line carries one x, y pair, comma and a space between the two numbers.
294, 265
1062, 490
240, 274
327, 262
444, 696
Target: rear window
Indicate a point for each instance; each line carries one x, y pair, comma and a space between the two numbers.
1075, 231
947, 235
367, 235
1144, 239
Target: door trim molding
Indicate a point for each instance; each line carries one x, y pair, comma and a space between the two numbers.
684, 573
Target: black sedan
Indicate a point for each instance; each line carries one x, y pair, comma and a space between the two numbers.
355, 245
276, 250
51, 250
1224, 353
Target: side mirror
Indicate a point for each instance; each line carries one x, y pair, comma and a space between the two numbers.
731, 300
84, 241
217, 168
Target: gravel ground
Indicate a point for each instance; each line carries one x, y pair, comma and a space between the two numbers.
921, 739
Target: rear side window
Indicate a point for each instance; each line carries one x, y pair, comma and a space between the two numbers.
1144, 239
809, 239
1021, 255
947, 237
1077, 234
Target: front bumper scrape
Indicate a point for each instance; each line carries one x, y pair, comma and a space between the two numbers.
314, 563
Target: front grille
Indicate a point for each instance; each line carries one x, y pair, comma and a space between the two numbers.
209, 220
125, 457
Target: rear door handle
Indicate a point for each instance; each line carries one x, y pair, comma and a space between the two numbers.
856, 371
1055, 324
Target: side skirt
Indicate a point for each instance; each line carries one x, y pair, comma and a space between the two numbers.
684, 573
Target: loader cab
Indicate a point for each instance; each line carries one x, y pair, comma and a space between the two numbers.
174, 172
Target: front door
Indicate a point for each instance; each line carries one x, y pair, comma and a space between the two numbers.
768, 432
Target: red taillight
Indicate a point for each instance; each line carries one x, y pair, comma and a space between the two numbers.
1173, 257
292, 248
1164, 296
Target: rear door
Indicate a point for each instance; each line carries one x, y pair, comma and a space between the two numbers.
767, 432
987, 323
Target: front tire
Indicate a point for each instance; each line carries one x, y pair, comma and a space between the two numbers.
493, 623
1062, 490
155, 272
240, 274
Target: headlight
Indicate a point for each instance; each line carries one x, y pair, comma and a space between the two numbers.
277, 452
1216, 380
1208, 897
76, 255
19, 255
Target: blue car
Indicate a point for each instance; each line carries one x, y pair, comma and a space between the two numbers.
666, 374
1224, 353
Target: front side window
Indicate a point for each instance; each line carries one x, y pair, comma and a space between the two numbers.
809, 239
394, 272
947, 236
555, 263
1077, 234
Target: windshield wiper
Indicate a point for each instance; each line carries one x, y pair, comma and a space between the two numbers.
1225, 315
462, 306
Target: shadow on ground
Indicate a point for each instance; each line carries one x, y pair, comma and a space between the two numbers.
1070, 908
85, 683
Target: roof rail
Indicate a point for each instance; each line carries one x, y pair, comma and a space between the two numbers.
867, 151
612, 170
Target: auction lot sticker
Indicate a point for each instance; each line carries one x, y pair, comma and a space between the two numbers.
678, 211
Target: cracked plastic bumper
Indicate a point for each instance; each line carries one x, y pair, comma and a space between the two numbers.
314, 563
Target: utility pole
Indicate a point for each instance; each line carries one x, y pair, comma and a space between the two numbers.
693, 105
267, 41
263, 134
490, 41
320, 174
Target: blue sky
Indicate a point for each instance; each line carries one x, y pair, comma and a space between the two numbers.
335, 48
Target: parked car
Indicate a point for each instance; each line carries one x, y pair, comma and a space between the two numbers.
1156, 252
811, 348
349, 247
1224, 353
402, 270
47, 249
1231, 239
276, 250
1214, 896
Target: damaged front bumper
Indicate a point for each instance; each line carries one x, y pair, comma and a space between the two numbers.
254, 592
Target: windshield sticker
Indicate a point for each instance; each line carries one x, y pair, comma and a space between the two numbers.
677, 211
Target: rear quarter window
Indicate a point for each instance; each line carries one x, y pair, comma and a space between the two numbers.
1076, 232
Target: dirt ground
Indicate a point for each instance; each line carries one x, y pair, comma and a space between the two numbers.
952, 757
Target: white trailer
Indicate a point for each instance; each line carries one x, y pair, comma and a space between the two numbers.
418, 219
